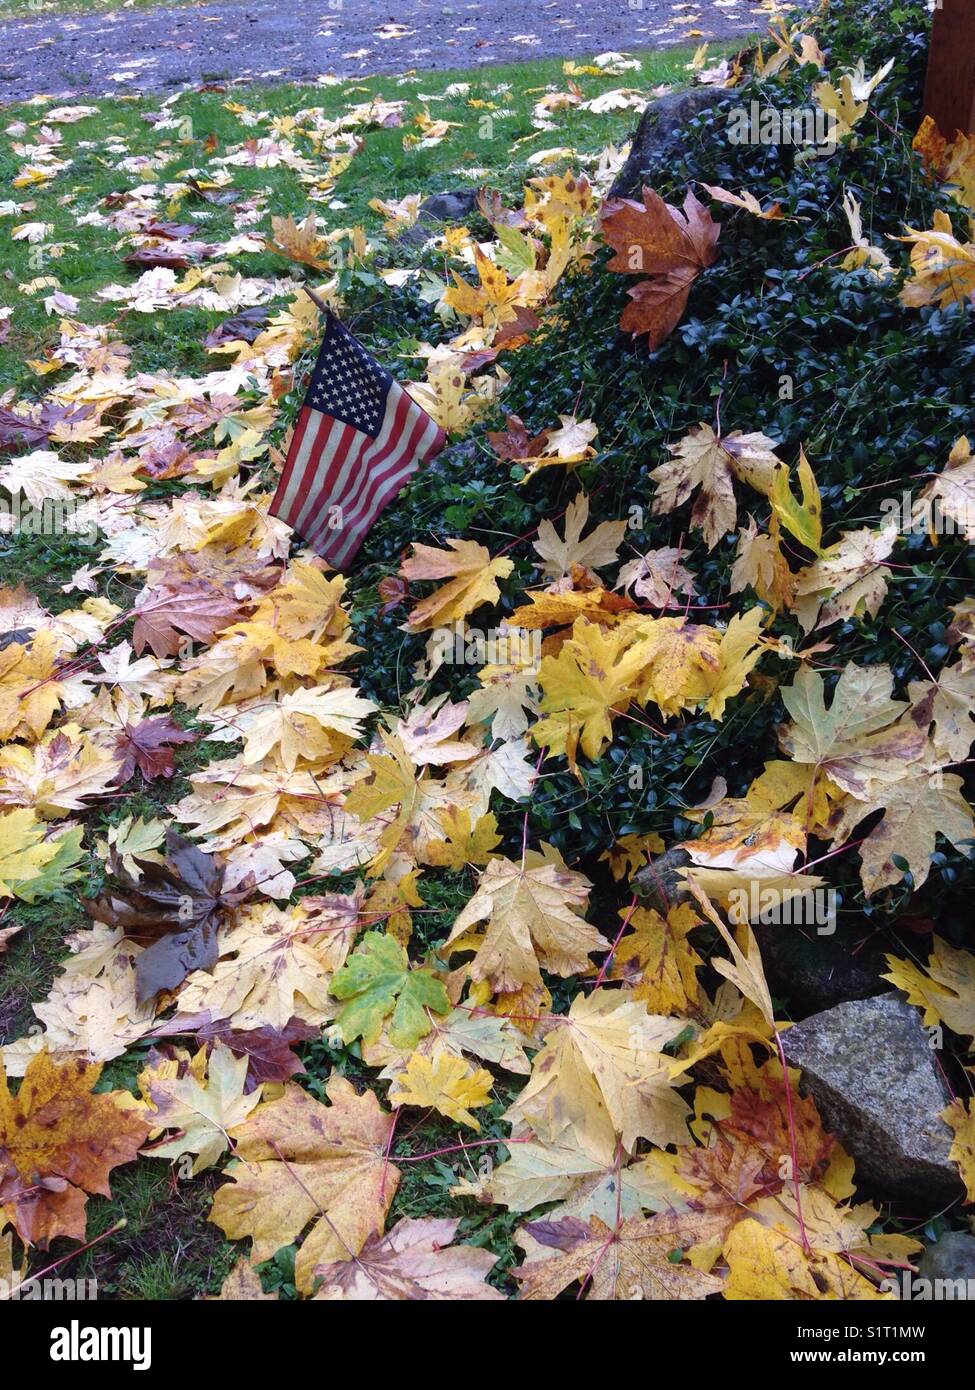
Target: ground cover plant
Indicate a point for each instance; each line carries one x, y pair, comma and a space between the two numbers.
387, 935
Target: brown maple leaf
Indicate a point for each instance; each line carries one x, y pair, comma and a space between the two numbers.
196, 609
175, 907
515, 442
58, 1142
148, 746
671, 246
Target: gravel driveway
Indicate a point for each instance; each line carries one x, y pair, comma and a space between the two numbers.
152, 50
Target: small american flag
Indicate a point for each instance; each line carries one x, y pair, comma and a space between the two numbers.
359, 437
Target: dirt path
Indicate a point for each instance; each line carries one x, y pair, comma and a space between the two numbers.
150, 50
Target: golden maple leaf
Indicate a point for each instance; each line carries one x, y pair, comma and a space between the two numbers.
302, 1162
203, 1103
960, 1118
952, 163
656, 960
56, 1128
945, 989
472, 576
462, 843
299, 241
770, 1264
602, 1074
533, 916
591, 681
444, 1082
942, 267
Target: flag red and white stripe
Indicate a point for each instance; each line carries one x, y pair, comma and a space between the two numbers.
358, 440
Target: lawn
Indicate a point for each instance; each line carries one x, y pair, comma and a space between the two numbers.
128, 143
672, 441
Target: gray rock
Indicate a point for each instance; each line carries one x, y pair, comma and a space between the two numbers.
438, 209
662, 132
815, 971
869, 1067
953, 1258
449, 207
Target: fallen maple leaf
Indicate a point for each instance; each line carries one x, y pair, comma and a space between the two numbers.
602, 1074
633, 1260
376, 981
670, 245
414, 1261
197, 609
473, 579
148, 746
769, 1264
862, 736
303, 1162
710, 464
175, 906
444, 1082
960, 1118
533, 915
58, 1142
203, 1103
946, 990
35, 862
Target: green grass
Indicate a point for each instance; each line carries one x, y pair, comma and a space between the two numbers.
84, 259
167, 1248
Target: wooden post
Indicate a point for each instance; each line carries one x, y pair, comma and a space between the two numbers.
949, 90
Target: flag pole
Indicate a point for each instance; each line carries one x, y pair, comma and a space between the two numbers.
319, 302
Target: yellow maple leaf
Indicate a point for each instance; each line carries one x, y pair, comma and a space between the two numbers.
802, 518
395, 783
299, 241
769, 1264
658, 962
960, 1117
589, 682
303, 1162
946, 991
533, 917
492, 303
942, 267
472, 576
445, 1082
630, 853
31, 861
311, 724
29, 695
463, 843
602, 1074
